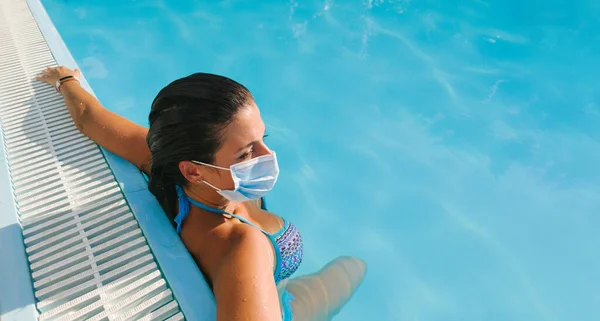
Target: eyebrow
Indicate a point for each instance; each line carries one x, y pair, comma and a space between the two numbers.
251, 143
241, 149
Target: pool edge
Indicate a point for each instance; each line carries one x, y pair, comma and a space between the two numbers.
178, 267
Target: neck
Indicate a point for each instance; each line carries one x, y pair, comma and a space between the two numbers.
209, 197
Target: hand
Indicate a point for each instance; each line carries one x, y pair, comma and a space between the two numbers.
51, 74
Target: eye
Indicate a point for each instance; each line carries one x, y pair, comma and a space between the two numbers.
246, 154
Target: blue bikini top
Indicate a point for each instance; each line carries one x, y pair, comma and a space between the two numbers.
287, 242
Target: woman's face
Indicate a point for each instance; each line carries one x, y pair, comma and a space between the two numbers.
242, 140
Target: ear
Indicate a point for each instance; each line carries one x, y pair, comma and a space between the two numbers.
192, 172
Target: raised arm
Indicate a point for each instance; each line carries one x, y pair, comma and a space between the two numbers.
243, 284
109, 130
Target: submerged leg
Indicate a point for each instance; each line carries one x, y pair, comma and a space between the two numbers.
320, 296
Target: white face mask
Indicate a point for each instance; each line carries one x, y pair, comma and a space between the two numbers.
252, 179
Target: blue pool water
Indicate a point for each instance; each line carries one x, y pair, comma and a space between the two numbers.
454, 145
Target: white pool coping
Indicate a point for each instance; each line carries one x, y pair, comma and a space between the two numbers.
181, 272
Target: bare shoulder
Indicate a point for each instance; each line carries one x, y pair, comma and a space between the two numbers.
243, 284
246, 248
248, 238
226, 242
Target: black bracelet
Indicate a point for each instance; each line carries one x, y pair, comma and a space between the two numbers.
65, 78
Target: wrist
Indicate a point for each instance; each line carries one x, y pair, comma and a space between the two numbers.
66, 81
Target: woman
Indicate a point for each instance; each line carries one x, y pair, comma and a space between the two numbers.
209, 167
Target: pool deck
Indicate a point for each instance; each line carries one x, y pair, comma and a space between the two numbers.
17, 300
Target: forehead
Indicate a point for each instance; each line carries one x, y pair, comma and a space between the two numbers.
246, 127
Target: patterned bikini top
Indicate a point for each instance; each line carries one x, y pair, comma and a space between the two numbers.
287, 242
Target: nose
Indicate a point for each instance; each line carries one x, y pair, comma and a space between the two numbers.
261, 149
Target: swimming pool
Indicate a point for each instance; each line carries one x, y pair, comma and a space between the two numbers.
452, 146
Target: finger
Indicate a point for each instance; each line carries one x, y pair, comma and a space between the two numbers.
78, 73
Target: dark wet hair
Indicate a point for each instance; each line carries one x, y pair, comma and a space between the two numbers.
187, 121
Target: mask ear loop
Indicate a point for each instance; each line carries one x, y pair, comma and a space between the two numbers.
213, 166
211, 185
